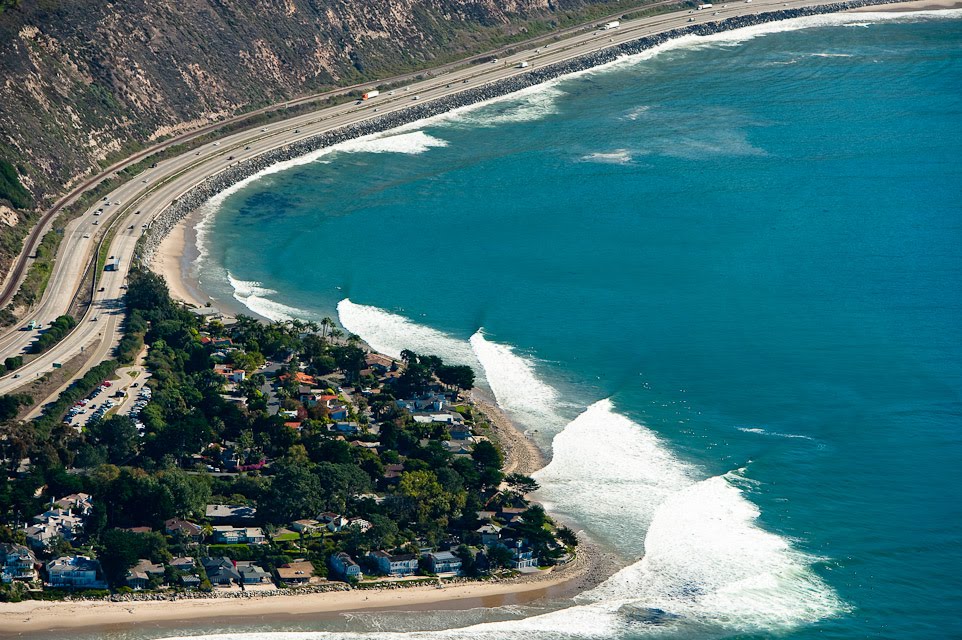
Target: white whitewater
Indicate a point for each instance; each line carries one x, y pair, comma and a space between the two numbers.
255, 296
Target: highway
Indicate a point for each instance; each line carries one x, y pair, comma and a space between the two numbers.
133, 205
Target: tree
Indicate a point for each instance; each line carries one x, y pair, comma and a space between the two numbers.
120, 550
10, 404
500, 556
567, 536
294, 493
460, 376
521, 484
189, 494
119, 435
486, 455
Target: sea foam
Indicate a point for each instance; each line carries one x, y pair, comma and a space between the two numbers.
255, 296
390, 333
520, 392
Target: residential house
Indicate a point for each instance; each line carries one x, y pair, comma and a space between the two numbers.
511, 514
17, 562
75, 572
221, 571
444, 562
231, 513
338, 524
183, 564
189, 581
343, 565
523, 555
61, 520
138, 576
460, 432
138, 529
294, 573
229, 372
227, 534
393, 471
306, 527
360, 523
490, 534
251, 573
402, 564
185, 528
79, 504
379, 363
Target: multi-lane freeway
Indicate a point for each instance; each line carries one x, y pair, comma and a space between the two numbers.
133, 205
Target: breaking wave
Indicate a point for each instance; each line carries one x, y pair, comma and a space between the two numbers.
254, 296
609, 474
390, 334
619, 156
776, 434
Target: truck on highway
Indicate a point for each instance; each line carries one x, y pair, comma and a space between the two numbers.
113, 264
522, 64
33, 324
702, 7
370, 94
608, 26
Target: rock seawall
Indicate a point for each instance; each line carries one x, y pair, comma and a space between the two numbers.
205, 190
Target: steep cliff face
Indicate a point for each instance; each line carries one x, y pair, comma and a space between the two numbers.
83, 79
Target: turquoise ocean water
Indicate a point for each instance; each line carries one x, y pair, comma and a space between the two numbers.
729, 275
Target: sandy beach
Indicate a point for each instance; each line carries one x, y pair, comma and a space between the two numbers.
36, 617
176, 250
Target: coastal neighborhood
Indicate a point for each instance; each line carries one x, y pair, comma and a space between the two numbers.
271, 456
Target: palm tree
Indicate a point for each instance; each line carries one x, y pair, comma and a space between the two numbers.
336, 334
326, 324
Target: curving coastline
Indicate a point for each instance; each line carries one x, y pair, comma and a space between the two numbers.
165, 222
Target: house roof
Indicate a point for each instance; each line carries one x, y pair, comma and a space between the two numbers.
295, 570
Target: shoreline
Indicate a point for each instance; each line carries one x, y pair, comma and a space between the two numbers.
153, 243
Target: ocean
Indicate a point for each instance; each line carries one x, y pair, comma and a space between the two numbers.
721, 282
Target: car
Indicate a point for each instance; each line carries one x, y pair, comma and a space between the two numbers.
230, 157
86, 236
16, 375
96, 221
216, 144
144, 181
98, 212
137, 212
101, 289
263, 129
131, 227
297, 130
197, 154
94, 319
247, 148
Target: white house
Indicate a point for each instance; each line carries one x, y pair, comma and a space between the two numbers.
75, 572
226, 534
403, 564
17, 562
444, 562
